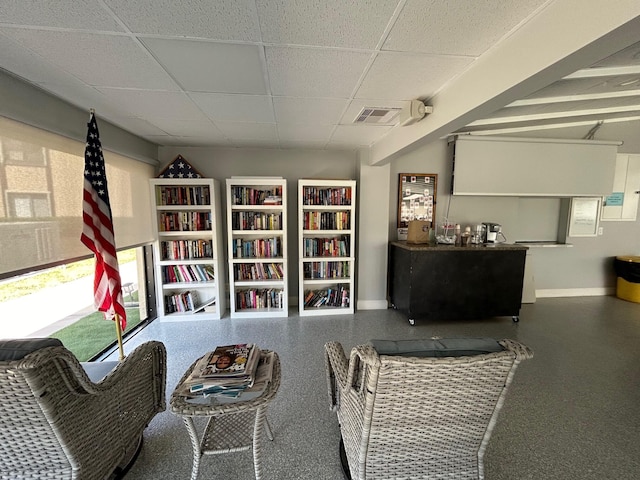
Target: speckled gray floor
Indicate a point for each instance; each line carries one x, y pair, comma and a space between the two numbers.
573, 412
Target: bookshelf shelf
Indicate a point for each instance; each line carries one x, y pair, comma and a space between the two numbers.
326, 226
257, 246
188, 263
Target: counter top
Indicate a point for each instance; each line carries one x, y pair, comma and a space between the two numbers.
444, 247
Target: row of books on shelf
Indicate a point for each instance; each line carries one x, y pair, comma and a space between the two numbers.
326, 220
187, 273
330, 297
258, 271
242, 195
258, 248
320, 270
184, 221
186, 195
258, 298
230, 371
326, 247
256, 221
187, 302
185, 249
326, 196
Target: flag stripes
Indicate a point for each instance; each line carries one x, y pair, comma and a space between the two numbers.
97, 231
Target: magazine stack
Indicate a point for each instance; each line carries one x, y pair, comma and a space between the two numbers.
230, 371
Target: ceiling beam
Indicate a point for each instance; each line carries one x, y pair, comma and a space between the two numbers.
562, 38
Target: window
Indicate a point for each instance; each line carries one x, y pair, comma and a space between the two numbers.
29, 205
46, 273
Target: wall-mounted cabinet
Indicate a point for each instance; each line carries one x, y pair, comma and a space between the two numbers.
187, 249
257, 246
326, 232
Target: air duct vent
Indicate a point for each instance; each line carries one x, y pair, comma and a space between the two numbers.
378, 116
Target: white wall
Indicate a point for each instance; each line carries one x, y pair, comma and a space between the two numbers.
584, 269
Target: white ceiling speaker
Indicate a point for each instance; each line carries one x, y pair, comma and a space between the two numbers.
414, 112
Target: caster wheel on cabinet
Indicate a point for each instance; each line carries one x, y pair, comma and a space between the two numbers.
412, 321
515, 319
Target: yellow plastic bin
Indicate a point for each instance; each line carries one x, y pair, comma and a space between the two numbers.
627, 269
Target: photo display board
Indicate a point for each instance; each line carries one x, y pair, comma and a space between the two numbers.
416, 198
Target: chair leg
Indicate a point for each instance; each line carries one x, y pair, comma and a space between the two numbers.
344, 461
121, 470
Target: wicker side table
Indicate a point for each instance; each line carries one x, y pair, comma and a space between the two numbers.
232, 425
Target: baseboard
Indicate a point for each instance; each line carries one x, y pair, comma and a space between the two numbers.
372, 305
575, 292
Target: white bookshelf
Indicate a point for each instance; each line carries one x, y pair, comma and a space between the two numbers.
257, 246
326, 232
188, 263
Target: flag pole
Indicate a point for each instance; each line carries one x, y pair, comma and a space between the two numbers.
119, 337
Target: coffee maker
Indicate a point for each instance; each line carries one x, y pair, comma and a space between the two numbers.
491, 231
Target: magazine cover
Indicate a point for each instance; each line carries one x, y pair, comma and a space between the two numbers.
230, 360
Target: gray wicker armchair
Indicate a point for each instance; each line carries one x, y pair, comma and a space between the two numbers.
423, 410
57, 423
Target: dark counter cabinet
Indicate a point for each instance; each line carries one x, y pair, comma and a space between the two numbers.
444, 282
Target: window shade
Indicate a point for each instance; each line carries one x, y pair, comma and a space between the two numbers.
41, 180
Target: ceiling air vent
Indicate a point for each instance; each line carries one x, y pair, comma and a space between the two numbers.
378, 116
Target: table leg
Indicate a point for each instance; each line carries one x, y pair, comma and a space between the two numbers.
267, 427
257, 437
195, 443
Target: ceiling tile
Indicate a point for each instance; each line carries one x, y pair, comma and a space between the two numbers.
137, 125
260, 132
307, 131
360, 23
235, 108
22, 62
166, 140
151, 104
219, 19
311, 72
466, 27
321, 111
188, 128
357, 135
85, 97
400, 76
100, 60
86, 15
211, 67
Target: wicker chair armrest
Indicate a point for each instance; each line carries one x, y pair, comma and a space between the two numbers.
111, 413
521, 351
336, 365
362, 357
126, 369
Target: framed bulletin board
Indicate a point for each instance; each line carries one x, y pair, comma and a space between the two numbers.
416, 198
584, 218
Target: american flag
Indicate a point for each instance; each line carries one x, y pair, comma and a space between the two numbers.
97, 231
179, 168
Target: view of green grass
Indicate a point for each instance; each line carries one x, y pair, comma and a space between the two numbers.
51, 277
91, 334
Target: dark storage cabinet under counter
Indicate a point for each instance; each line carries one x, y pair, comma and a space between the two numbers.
445, 282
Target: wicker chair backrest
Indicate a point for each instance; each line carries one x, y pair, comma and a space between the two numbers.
422, 417
23, 424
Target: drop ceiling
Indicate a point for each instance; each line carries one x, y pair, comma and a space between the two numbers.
296, 73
